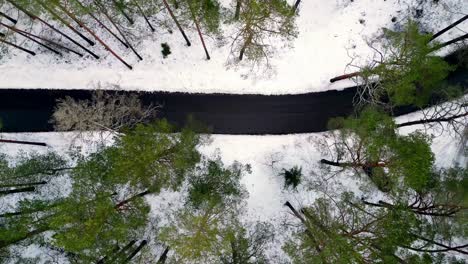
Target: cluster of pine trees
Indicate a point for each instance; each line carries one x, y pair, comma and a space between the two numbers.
408, 210
72, 24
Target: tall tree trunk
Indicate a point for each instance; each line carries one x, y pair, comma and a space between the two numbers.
30, 38
22, 184
100, 23
17, 47
238, 8
345, 76
432, 120
296, 5
103, 260
120, 8
445, 44
177, 22
34, 17
23, 142
19, 190
6, 243
103, 11
93, 34
143, 14
124, 202
245, 46
12, 20
54, 14
51, 42
142, 244
449, 27
163, 257
195, 20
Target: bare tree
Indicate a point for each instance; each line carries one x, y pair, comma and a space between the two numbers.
104, 112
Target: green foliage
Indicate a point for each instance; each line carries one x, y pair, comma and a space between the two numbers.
166, 50
197, 233
247, 246
215, 185
409, 74
371, 142
292, 177
208, 13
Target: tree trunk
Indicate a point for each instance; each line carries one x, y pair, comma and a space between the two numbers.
449, 27
124, 202
142, 244
100, 23
18, 47
102, 260
238, 7
123, 12
30, 38
51, 42
143, 14
433, 120
12, 20
345, 76
244, 47
65, 22
445, 44
296, 5
6, 243
195, 20
163, 257
102, 8
19, 190
33, 17
22, 184
177, 22
23, 142
93, 34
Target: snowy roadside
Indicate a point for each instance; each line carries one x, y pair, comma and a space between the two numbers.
330, 32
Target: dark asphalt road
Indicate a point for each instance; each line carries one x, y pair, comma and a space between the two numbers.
30, 110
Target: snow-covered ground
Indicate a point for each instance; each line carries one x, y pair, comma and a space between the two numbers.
329, 32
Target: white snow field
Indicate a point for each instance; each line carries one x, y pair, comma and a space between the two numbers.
330, 31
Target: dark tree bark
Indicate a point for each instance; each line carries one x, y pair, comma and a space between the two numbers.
22, 184
34, 17
12, 20
103, 260
19, 190
345, 76
93, 34
17, 47
244, 47
238, 7
432, 120
103, 10
177, 23
30, 38
126, 201
23, 142
144, 16
449, 27
163, 257
51, 42
195, 20
138, 249
100, 23
54, 14
455, 40
120, 8
296, 5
